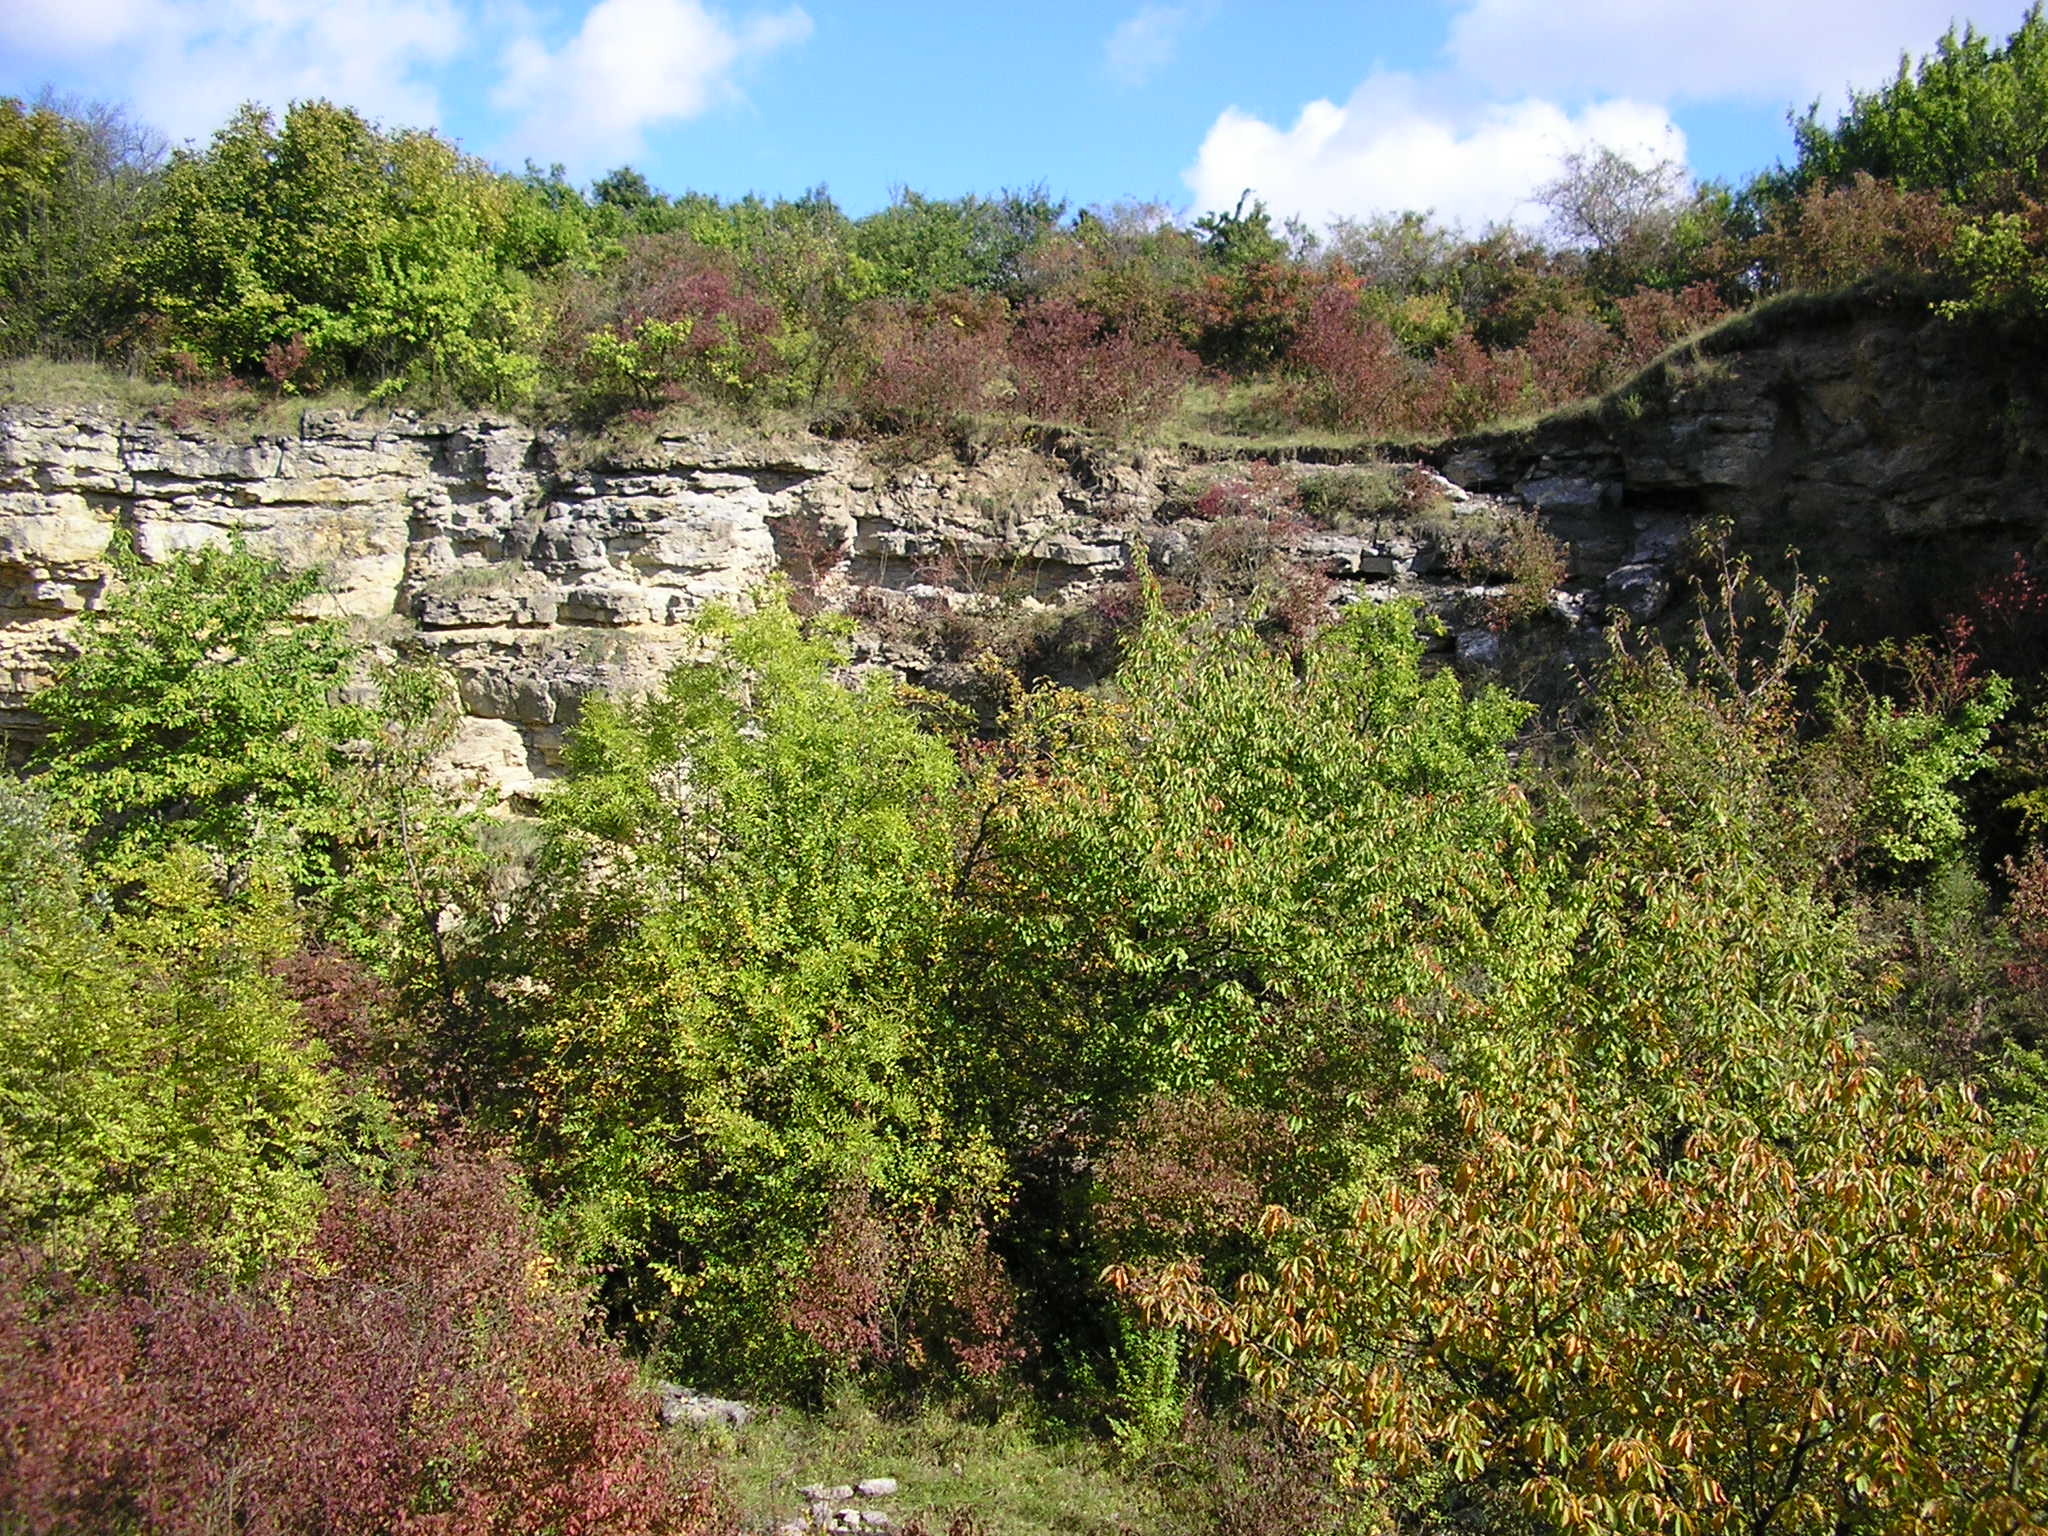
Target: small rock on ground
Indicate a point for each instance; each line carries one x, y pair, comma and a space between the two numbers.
679, 1405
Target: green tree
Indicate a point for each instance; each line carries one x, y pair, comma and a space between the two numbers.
1241, 871
1969, 120
1241, 239
728, 1032
920, 248
75, 185
801, 256
151, 1069
393, 255
1831, 1319
201, 711
1687, 1259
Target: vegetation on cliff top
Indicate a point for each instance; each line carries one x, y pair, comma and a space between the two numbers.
321, 251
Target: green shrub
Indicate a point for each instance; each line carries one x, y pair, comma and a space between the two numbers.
394, 256
152, 1072
727, 1027
1347, 498
199, 711
74, 189
1967, 120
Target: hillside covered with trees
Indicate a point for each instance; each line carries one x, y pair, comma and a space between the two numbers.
1289, 1088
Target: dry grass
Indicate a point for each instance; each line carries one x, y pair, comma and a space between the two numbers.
42, 381
229, 414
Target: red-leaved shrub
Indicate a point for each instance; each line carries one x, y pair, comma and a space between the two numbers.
1070, 367
1347, 368
1653, 318
671, 322
922, 1295
2026, 918
933, 364
2009, 620
417, 1369
1260, 489
1468, 386
843, 1299
966, 1304
1570, 356
1866, 228
286, 363
1186, 1169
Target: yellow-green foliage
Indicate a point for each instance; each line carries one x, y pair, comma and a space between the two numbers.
199, 713
151, 1071
734, 943
394, 255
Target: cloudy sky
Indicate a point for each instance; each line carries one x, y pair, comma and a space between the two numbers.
1321, 108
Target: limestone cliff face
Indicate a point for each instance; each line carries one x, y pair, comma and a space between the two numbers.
537, 580
1888, 447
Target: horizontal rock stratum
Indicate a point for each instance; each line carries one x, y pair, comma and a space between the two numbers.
1904, 457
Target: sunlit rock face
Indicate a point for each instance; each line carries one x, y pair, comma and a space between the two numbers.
1903, 458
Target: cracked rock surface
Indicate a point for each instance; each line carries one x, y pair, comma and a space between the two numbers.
1885, 446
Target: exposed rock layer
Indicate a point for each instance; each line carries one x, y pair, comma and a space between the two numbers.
1904, 457
1892, 449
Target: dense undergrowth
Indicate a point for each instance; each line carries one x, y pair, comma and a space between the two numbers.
1286, 1088
1249, 1073
323, 253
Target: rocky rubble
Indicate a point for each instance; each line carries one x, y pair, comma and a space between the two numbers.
680, 1405
826, 1508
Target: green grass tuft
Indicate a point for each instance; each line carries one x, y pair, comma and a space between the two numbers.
1014, 1479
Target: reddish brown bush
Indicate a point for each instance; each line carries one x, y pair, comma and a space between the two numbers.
1070, 367
1261, 1476
2026, 918
1868, 228
807, 551
351, 1009
1250, 318
1348, 369
966, 1304
1300, 604
1185, 1169
287, 364
417, 1369
2009, 620
209, 400
1260, 489
922, 1296
671, 322
1653, 318
1570, 356
1469, 386
842, 1301
933, 364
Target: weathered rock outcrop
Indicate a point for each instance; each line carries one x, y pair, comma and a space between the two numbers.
1901, 454
536, 579
1904, 457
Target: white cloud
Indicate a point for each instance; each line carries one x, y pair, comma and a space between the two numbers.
1402, 142
1143, 43
632, 65
68, 28
185, 64
1774, 51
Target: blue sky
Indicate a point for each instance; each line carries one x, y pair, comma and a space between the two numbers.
1324, 109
